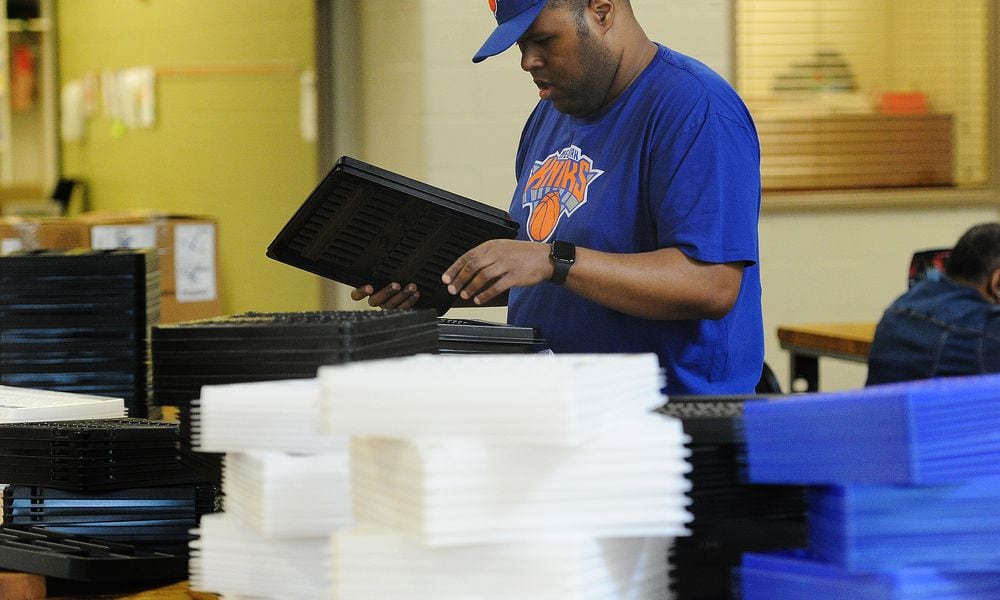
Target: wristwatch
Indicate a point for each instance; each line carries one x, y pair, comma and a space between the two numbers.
563, 255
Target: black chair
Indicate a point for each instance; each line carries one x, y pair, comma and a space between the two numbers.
71, 194
768, 383
928, 264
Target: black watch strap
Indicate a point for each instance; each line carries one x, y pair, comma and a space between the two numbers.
563, 255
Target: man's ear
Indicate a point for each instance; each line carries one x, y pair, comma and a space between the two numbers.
993, 285
604, 10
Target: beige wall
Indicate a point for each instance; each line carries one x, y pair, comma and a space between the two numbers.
844, 266
431, 113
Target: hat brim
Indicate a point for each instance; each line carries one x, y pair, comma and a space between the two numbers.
506, 34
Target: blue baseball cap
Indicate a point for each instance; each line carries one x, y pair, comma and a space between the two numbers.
514, 17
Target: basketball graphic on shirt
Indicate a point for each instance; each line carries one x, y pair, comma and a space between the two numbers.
555, 188
544, 217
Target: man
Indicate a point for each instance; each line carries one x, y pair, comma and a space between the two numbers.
946, 326
638, 194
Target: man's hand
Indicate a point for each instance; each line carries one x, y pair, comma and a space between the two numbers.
493, 267
391, 296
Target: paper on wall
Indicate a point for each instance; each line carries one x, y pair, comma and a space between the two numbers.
90, 86
72, 117
110, 98
307, 106
137, 88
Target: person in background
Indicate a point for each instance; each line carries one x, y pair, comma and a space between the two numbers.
949, 326
638, 196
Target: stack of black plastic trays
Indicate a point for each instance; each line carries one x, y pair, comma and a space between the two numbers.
475, 336
731, 516
157, 519
77, 321
273, 346
117, 480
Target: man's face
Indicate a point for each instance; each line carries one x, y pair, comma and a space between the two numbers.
568, 61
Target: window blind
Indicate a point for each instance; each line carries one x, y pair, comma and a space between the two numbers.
867, 93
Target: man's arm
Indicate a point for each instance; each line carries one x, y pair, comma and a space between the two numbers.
662, 284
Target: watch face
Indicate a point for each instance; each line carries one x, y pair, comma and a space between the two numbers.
563, 256
563, 251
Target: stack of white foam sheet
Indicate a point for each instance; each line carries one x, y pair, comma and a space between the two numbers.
498, 476
287, 487
374, 565
627, 482
289, 495
231, 558
555, 400
271, 415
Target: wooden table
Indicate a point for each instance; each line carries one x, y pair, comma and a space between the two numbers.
176, 591
807, 343
25, 586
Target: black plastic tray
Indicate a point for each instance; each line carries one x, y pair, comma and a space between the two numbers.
484, 331
92, 430
253, 347
52, 554
91, 450
366, 225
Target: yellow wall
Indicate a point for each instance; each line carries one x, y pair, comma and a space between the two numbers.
225, 145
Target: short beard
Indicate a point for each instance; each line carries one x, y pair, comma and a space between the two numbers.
589, 94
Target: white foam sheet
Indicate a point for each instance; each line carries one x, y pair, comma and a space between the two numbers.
26, 405
376, 565
267, 415
550, 399
629, 482
289, 495
231, 558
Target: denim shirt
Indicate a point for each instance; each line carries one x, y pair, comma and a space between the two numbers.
936, 329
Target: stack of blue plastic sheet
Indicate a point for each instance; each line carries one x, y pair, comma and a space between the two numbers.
905, 502
878, 527
790, 576
927, 432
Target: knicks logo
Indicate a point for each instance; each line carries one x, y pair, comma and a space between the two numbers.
557, 186
493, 7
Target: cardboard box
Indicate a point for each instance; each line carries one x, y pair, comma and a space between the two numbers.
27, 201
188, 250
45, 233
20, 192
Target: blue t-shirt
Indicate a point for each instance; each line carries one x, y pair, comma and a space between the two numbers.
674, 161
